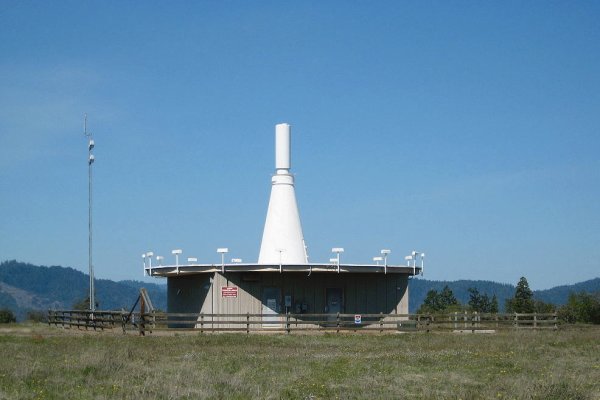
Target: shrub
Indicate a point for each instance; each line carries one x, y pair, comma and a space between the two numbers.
37, 316
581, 307
7, 316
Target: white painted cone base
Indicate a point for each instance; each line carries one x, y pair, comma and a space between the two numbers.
282, 241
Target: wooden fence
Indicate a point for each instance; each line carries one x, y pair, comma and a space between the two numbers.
143, 323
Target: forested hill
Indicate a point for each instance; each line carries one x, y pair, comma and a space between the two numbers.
25, 287
558, 295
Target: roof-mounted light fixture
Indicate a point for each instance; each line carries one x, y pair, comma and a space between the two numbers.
338, 251
385, 253
176, 253
149, 255
222, 251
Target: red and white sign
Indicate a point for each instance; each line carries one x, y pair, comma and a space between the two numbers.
229, 291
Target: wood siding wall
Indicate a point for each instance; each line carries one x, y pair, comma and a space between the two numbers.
363, 293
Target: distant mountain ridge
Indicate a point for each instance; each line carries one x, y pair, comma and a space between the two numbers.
25, 287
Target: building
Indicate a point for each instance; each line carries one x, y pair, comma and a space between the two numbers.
283, 281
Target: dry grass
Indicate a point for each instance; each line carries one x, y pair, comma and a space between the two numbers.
37, 362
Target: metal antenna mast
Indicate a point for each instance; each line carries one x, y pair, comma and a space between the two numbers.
90, 162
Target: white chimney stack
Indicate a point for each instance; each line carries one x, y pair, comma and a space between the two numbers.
282, 241
283, 148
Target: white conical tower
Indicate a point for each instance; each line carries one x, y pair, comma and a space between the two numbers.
282, 241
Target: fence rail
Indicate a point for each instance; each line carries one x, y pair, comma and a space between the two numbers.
143, 323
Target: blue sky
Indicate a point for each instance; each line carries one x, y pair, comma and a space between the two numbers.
468, 130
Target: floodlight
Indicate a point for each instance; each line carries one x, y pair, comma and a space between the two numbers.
176, 253
236, 260
338, 250
222, 251
385, 253
91, 144
159, 259
333, 260
192, 259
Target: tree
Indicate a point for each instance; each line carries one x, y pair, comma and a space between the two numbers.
494, 305
447, 298
543, 308
480, 303
522, 302
435, 302
7, 316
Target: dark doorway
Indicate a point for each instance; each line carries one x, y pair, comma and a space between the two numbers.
271, 307
334, 300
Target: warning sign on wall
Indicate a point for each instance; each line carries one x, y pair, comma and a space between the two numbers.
229, 291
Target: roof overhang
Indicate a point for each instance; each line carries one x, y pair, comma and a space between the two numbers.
194, 269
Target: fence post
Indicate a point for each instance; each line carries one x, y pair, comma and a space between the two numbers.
380, 322
516, 322
123, 322
201, 322
535, 321
142, 325
247, 323
555, 321
338, 322
287, 322
455, 319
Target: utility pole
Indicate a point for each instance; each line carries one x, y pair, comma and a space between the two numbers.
90, 162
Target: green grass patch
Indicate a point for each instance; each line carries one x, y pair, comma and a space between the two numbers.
49, 363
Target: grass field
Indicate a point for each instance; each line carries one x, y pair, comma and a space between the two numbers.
38, 362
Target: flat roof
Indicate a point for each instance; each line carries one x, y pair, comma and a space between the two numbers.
194, 269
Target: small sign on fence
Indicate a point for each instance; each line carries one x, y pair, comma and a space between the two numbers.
358, 319
229, 291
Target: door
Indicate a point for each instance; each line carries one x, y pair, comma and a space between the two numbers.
270, 307
333, 297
